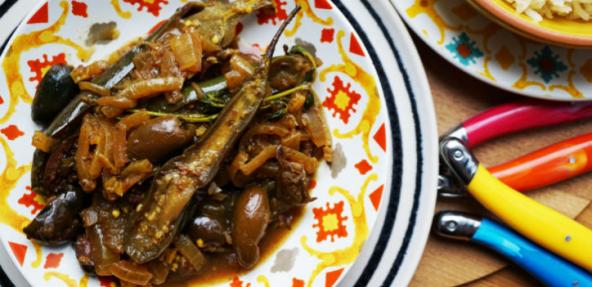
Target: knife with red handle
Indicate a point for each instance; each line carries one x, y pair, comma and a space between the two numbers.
547, 166
518, 116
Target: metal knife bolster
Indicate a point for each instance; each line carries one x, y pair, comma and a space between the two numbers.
459, 159
456, 225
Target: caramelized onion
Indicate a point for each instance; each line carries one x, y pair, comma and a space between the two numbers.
191, 252
234, 79
42, 141
243, 66
94, 88
131, 272
187, 50
152, 87
266, 154
82, 73
159, 270
102, 256
134, 120
309, 163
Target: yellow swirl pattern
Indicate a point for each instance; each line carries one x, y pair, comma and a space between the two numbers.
25, 42
367, 81
348, 254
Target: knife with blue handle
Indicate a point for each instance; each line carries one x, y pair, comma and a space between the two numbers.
548, 268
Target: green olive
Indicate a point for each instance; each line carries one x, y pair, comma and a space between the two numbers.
250, 219
158, 138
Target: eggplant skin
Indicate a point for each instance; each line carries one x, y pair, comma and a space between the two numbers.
58, 222
55, 91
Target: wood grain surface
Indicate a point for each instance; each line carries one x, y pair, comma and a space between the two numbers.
458, 96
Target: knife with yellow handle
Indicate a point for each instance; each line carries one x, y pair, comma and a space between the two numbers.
539, 223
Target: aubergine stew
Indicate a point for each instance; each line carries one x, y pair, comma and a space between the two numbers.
179, 153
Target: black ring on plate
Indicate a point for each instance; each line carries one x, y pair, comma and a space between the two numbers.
393, 201
395, 192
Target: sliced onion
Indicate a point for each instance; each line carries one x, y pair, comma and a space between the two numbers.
42, 141
296, 103
102, 256
94, 88
152, 87
117, 102
131, 272
89, 217
82, 73
292, 141
190, 252
317, 128
187, 50
234, 79
159, 270
134, 120
266, 154
243, 66
309, 163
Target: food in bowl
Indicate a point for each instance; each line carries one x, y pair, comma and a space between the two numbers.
537, 9
181, 154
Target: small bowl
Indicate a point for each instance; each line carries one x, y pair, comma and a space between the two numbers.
559, 30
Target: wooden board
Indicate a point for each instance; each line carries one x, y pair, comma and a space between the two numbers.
457, 96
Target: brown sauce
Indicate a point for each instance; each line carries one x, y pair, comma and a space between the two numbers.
222, 267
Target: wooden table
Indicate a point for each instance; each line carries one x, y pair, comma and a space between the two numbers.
456, 97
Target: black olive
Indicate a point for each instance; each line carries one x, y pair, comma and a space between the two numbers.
56, 90
58, 222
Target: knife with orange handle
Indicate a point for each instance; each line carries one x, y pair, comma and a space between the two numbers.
541, 168
539, 223
549, 165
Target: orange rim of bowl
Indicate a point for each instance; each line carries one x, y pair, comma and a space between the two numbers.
528, 28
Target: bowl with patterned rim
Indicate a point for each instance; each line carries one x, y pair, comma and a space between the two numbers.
487, 51
558, 30
370, 219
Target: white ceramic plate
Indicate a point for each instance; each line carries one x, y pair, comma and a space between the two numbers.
490, 53
369, 223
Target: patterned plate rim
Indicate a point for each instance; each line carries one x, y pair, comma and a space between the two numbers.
442, 53
401, 267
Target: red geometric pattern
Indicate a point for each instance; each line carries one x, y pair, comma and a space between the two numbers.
329, 222
79, 9
266, 16
380, 137
31, 199
12, 132
40, 66
236, 282
327, 35
41, 16
354, 46
19, 251
322, 4
53, 260
152, 6
363, 166
297, 282
376, 197
331, 277
342, 100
